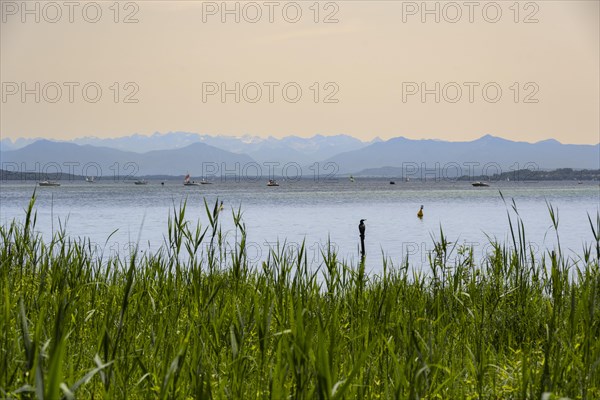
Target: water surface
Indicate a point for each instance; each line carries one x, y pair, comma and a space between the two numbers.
317, 212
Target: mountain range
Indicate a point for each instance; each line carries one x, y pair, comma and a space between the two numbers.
45, 156
298, 149
486, 153
178, 153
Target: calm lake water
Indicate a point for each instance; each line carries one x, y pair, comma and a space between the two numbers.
317, 211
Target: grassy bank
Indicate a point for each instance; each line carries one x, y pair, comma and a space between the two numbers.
177, 324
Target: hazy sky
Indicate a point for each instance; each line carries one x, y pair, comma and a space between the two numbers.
528, 71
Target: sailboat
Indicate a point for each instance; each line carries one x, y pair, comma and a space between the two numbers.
188, 182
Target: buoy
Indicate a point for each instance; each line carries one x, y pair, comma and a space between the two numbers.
420, 213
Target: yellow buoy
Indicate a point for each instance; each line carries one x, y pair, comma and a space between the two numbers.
420, 213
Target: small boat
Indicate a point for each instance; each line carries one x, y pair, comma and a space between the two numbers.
205, 182
351, 178
48, 183
407, 179
392, 183
188, 182
141, 182
272, 182
480, 184
89, 179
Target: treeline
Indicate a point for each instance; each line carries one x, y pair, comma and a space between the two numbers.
562, 174
37, 176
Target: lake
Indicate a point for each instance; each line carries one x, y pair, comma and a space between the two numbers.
317, 211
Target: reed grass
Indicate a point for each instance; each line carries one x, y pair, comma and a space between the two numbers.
197, 320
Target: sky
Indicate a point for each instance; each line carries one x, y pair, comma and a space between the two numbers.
445, 70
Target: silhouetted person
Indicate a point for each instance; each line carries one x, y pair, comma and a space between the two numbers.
361, 230
420, 213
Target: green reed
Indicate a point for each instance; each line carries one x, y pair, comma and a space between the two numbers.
196, 319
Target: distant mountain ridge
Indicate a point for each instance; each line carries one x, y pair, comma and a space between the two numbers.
86, 160
341, 154
301, 150
488, 152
